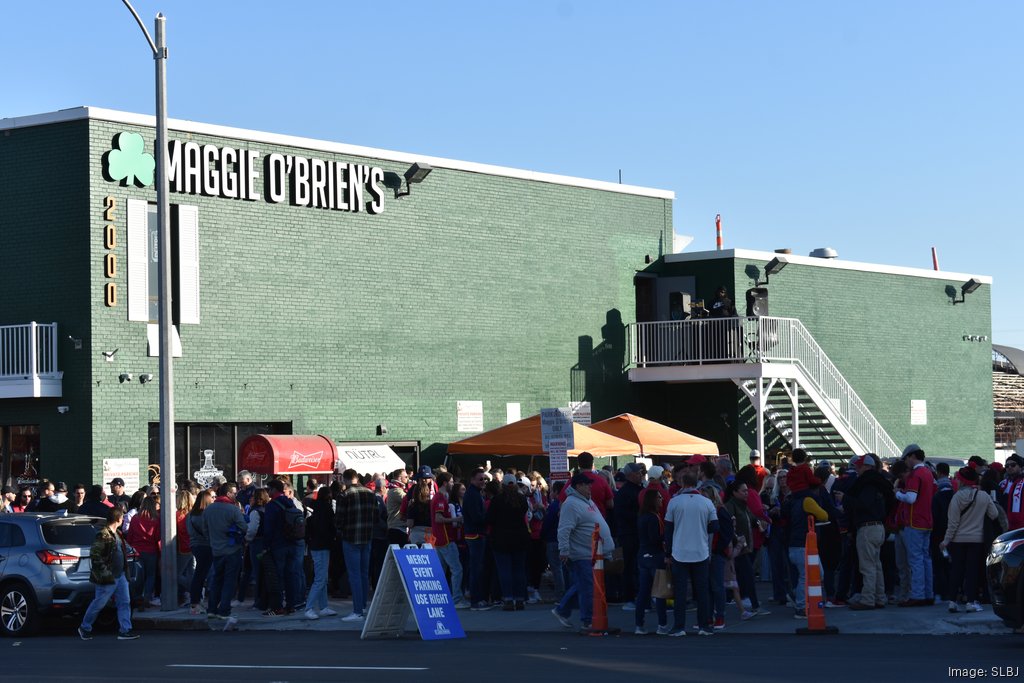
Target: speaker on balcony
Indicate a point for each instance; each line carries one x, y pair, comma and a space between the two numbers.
757, 301
678, 305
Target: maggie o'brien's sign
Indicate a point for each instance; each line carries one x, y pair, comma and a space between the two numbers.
239, 173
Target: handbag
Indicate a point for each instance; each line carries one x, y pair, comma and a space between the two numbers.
662, 587
616, 565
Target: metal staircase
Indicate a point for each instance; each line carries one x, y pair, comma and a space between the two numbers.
776, 362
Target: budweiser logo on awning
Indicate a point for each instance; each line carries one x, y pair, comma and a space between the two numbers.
312, 460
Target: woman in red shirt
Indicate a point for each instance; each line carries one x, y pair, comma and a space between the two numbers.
144, 536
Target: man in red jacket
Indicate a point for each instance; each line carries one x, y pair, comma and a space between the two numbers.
1012, 492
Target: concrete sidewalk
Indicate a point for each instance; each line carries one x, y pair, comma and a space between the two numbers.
935, 620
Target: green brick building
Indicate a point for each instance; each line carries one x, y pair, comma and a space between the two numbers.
873, 357
308, 298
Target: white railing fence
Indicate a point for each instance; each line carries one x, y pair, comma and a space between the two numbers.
758, 340
28, 351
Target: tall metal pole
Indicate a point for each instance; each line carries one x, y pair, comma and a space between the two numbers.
169, 556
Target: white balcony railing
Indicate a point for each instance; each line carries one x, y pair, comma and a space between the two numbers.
28, 361
758, 340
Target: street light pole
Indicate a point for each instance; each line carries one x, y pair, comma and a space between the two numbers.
168, 509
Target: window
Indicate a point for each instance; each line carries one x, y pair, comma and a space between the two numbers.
143, 270
191, 440
19, 454
11, 536
80, 532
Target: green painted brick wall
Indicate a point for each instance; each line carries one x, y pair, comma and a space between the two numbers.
476, 287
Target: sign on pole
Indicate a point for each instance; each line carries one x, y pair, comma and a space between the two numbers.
558, 459
412, 582
556, 423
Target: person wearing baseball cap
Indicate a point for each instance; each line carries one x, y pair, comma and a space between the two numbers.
7, 496
915, 503
118, 497
867, 504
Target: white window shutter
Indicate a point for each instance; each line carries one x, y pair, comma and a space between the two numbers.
138, 267
188, 264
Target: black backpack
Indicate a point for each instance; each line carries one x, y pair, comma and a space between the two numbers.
294, 522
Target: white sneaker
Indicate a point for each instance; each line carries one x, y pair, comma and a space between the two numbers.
155, 602
629, 607
975, 607
328, 612
639, 631
354, 617
562, 620
664, 630
311, 614
231, 624
953, 607
463, 604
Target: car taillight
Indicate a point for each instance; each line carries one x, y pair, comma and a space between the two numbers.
53, 557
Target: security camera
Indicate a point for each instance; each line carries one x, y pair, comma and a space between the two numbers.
125, 377
63, 409
145, 378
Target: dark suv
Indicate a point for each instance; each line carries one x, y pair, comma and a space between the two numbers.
44, 568
1005, 568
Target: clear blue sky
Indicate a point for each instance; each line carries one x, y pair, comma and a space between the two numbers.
880, 129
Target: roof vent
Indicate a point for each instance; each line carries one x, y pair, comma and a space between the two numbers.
825, 252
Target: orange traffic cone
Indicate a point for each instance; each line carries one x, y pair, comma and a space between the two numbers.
599, 625
812, 587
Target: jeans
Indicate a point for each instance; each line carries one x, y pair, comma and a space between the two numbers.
919, 560
696, 572
223, 582
717, 581
512, 574
204, 560
963, 570
630, 553
477, 555
449, 555
745, 578
149, 564
317, 599
580, 592
646, 568
186, 568
251, 571
288, 562
777, 554
122, 599
559, 571
357, 562
796, 559
869, 559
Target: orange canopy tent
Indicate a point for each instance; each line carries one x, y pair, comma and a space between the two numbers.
523, 438
654, 438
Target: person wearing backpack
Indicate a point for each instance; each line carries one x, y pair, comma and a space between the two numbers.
284, 527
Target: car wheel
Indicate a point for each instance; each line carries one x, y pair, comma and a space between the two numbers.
19, 615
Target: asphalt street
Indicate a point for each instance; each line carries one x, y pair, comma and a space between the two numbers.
336, 656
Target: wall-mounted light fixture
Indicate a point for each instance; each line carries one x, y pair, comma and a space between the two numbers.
63, 410
382, 430
416, 173
124, 377
145, 378
773, 267
76, 342
967, 288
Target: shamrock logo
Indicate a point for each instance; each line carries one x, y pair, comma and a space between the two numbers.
129, 162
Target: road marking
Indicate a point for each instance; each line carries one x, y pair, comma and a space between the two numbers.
274, 666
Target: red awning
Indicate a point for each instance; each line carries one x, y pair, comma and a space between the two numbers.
278, 454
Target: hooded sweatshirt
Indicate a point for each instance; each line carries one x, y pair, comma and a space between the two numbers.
576, 521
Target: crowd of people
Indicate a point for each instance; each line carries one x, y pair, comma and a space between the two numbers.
905, 534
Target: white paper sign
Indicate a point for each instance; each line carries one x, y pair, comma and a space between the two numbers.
558, 459
918, 412
513, 413
470, 416
556, 423
580, 412
125, 468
